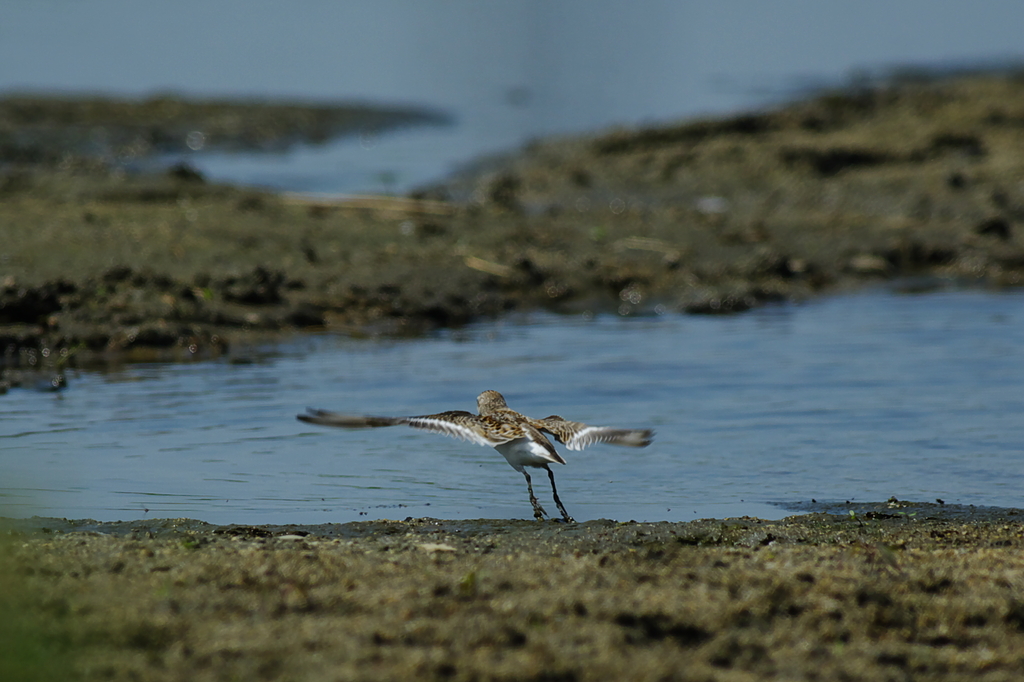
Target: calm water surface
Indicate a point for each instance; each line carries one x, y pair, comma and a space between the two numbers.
855, 397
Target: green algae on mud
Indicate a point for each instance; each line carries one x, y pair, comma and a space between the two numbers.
807, 597
31, 648
713, 216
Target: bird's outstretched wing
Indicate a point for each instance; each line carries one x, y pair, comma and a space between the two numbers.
577, 436
346, 421
456, 423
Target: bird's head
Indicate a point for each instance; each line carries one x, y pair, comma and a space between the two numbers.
489, 401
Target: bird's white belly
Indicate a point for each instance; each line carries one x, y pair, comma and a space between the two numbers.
525, 452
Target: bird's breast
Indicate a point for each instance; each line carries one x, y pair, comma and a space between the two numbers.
527, 452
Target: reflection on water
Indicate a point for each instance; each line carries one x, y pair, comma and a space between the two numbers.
856, 397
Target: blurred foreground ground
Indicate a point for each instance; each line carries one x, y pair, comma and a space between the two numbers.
896, 592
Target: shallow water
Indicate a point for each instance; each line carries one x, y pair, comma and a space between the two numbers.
856, 397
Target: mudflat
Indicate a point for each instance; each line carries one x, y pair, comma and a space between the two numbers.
919, 181
890, 592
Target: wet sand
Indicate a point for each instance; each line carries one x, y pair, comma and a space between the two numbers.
893, 591
922, 182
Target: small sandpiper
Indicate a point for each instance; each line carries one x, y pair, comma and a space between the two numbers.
517, 437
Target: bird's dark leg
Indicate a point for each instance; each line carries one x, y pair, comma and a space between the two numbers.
554, 491
538, 511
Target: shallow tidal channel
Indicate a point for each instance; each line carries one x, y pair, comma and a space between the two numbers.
856, 397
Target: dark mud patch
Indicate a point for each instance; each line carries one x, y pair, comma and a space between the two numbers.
810, 597
908, 510
912, 182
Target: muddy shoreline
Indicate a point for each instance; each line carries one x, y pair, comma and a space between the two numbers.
892, 591
711, 216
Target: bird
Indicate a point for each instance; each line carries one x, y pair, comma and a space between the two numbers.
520, 439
